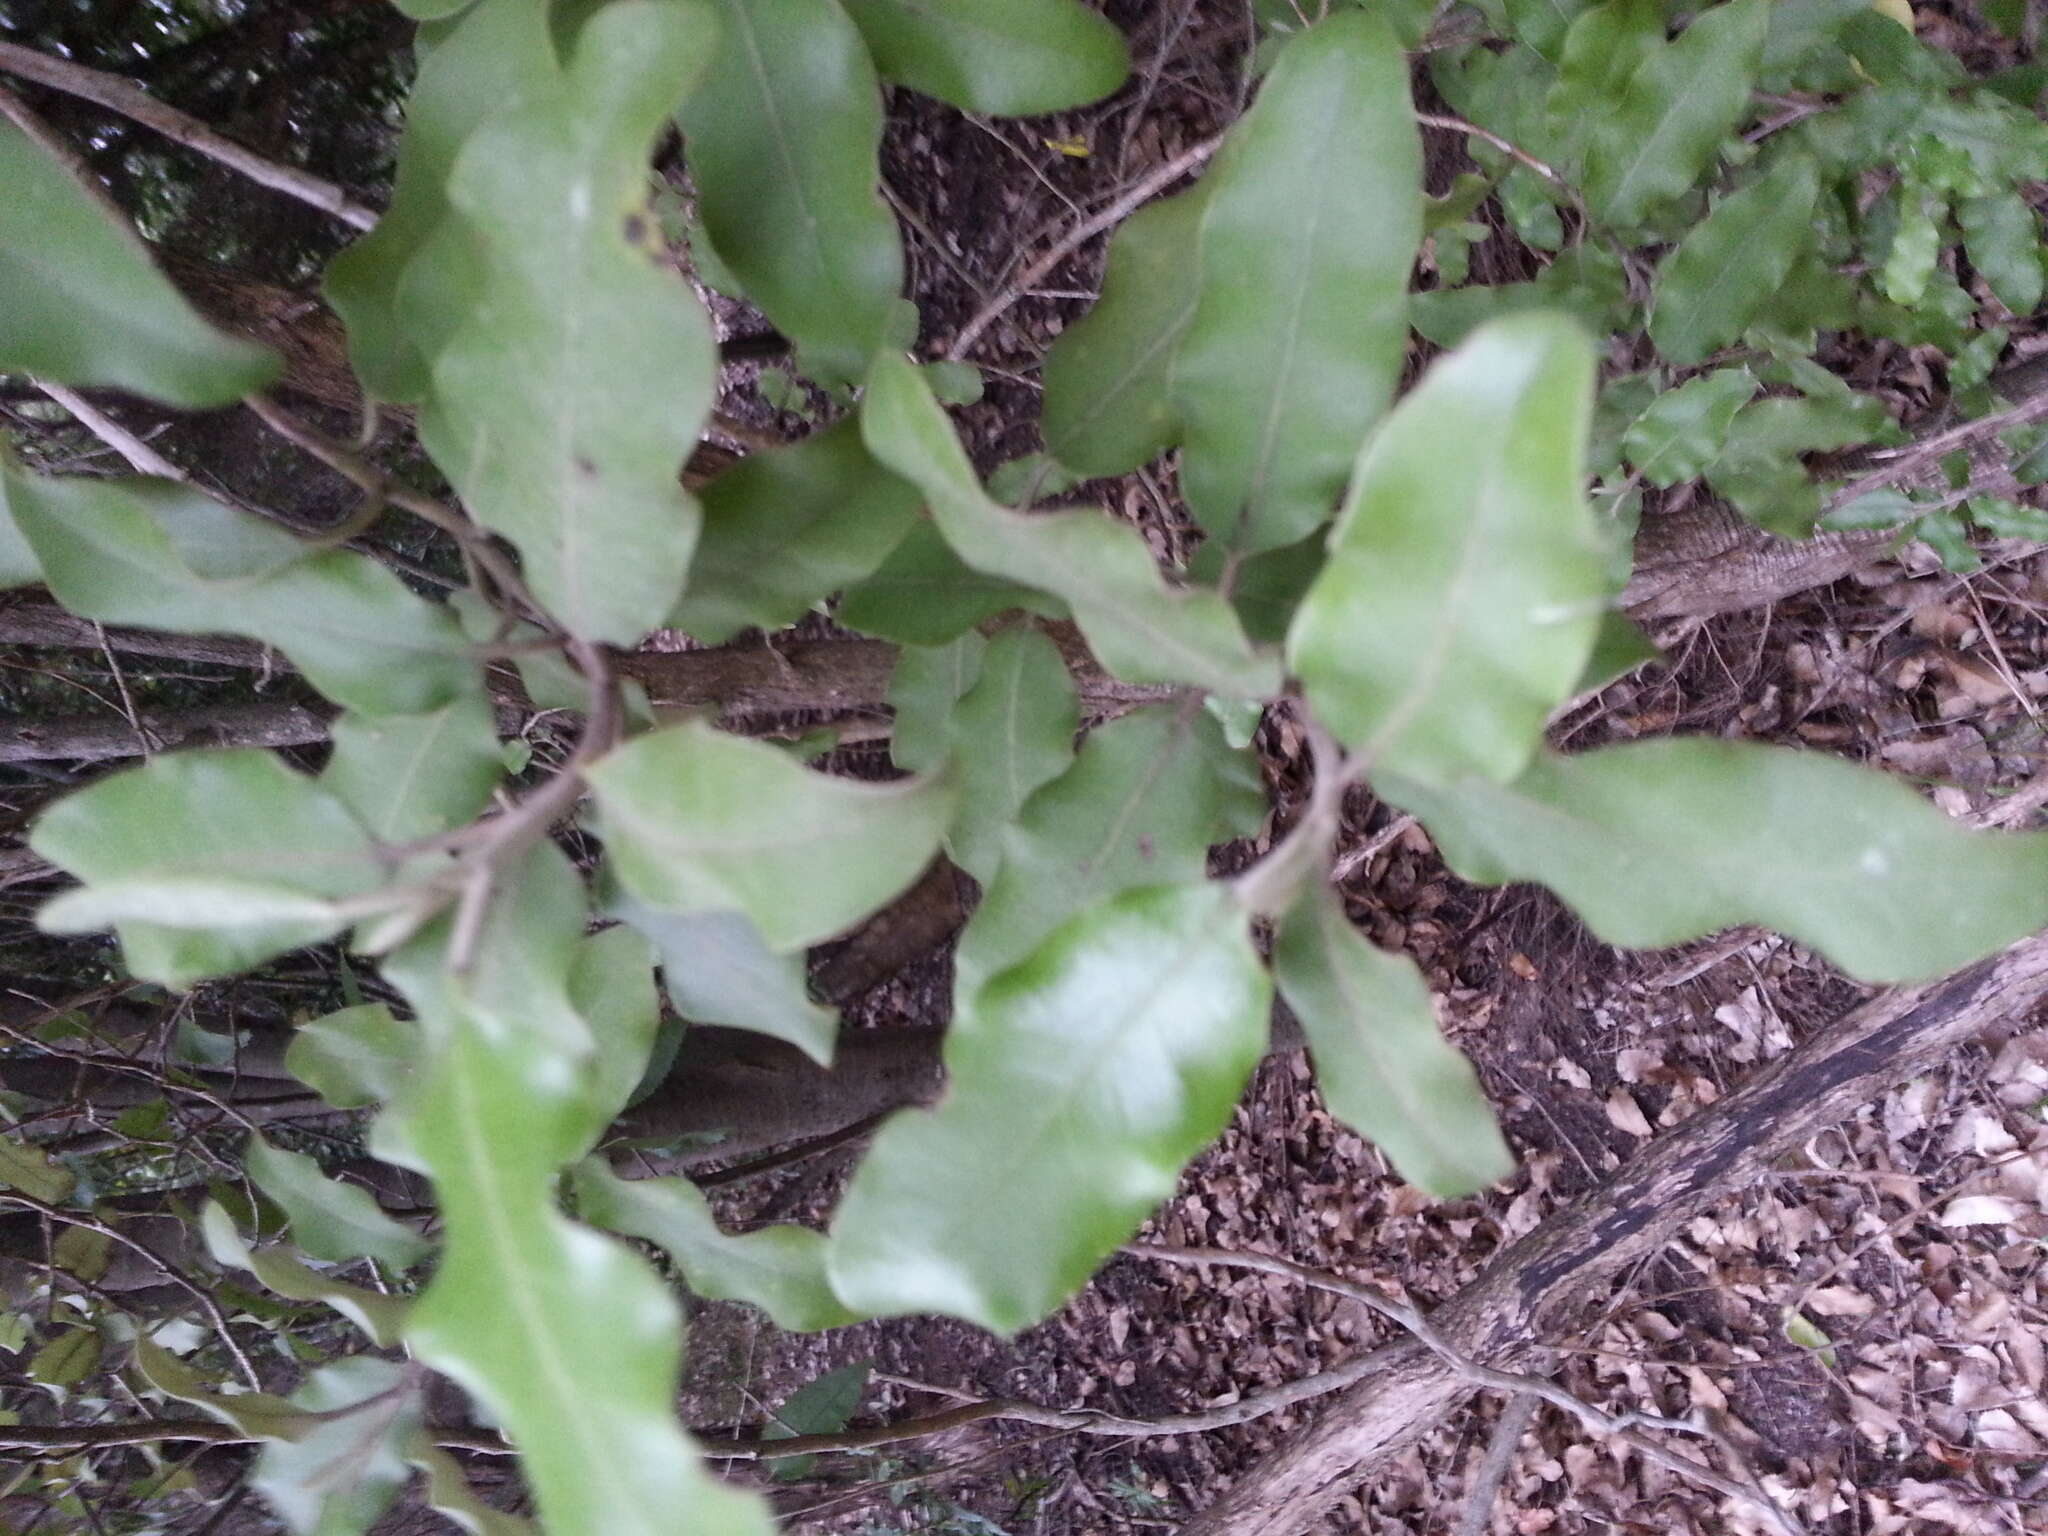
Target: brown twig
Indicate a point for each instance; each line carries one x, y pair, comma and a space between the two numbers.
1911, 460
1515, 1415
117, 95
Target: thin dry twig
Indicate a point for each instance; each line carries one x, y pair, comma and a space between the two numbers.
1141, 192
1515, 1415
1909, 461
117, 95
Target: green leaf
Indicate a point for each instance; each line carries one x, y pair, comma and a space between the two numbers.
785, 529
1841, 858
717, 969
923, 595
1383, 1067
1801, 1330
1109, 377
780, 1269
1684, 429
1654, 112
347, 1465
697, 821
1011, 732
28, 1168
1311, 219
2002, 235
1466, 575
567, 1338
329, 1219
380, 1316
540, 405
354, 1057
81, 303
416, 776
82, 1252
448, 1492
163, 556
782, 135
1722, 274
1139, 628
70, 1356
611, 985
254, 1413
1916, 243
1079, 1083
821, 1406
206, 863
2008, 519
923, 689
1007, 58
403, 288
1147, 796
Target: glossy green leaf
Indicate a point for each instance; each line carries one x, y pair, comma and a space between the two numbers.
782, 135
1723, 273
1653, 113
927, 683
150, 553
1109, 406
1466, 575
923, 595
1657, 842
1147, 796
403, 288
568, 1338
717, 969
346, 1465
380, 1316
1139, 628
1011, 732
354, 1057
539, 411
698, 821
416, 776
1008, 58
329, 1219
1384, 1068
611, 986
81, 303
785, 529
1683, 430
821, 1406
1311, 219
205, 863
1079, 1083
2002, 235
780, 1269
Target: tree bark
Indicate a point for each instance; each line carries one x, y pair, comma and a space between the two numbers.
1552, 1279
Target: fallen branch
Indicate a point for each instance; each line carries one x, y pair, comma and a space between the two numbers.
1547, 1282
96, 738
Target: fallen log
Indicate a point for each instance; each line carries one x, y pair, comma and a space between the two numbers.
1541, 1287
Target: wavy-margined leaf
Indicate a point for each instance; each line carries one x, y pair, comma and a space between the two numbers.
329, 1219
567, 1337
927, 683
163, 556
717, 969
1383, 1067
1079, 1083
1683, 430
1010, 733
446, 1491
785, 529
1139, 628
924, 595
403, 288
1466, 575
1311, 219
696, 820
81, 303
1657, 842
205, 863
611, 986
1109, 404
1723, 273
2002, 235
539, 410
782, 135
380, 1316
1147, 796
416, 776
780, 1269
1650, 113
354, 1057
1009, 58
